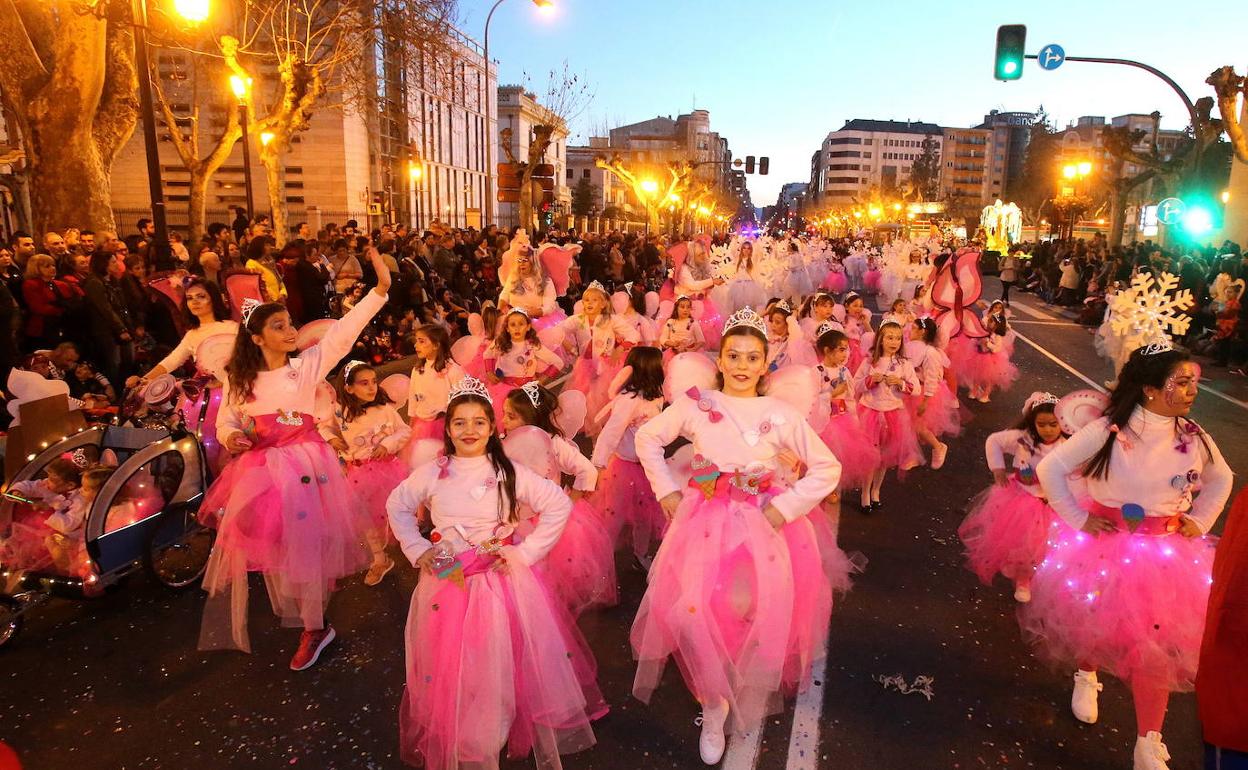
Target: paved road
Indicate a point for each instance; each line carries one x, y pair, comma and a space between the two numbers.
117, 683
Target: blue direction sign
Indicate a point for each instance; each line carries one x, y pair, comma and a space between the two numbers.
1170, 211
1051, 56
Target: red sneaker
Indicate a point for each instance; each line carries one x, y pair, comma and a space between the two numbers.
311, 643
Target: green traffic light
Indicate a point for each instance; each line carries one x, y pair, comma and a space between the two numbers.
1011, 43
1197, 220
1010, 67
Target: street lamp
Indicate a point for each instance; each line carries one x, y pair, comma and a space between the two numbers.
414, 173
649, 186
266, 137
194, 11
484, 99
240, 86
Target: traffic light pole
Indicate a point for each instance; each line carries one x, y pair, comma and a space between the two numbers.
1187, 102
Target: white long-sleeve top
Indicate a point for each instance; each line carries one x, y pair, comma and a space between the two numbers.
379, 426
689, 286
642, 325
464, 507
748, 438
69, 511
524, 293
525, 359
681, 334
618, 435
601, 336
929, 364
855, 327
185, 349
883, 397
832, 376
792, 349
1146, 467
292, 388
429, 390
1027, 454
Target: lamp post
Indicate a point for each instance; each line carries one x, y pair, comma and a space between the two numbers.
484, 99
240, 87
414, 173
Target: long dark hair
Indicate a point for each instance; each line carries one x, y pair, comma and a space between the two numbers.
1141, 370
248, 359
352, 406
930, 331
742, 331
503, 340
646, 381
877, 345
219, 311
541, 415
441, 340
1028, 425
507, 508
829, 340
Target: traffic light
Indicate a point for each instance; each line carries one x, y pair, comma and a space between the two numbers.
1011, 43
749, 164
763, 163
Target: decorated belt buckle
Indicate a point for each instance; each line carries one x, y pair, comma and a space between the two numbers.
746, 483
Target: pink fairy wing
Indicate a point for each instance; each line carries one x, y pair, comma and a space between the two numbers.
678, 252
688, 370
214, 353
652, 303
465, 349
476, 326
966, 266
944, 290
312, 333
169, 286
556, 261
1077, 409
396, 386
666, 308
552, 339
423, 451
618, 382
573, 409
619, 302
530, 446
796, 385
241, 286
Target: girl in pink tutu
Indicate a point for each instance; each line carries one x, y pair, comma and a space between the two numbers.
740, 592
431, 379
857, 324
843, 432
283, 504
517, 356
934, 408
818, 309
624, 495
47, 530
581, 566
786, 345
493, 660
989, 366
1124, 586
883, 381
370, 438
681, 333
598, 340
1008, 526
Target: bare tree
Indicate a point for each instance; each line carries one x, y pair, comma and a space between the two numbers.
652, 193
68, 78
1228, 86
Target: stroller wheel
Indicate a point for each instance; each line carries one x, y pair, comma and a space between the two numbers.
10, 619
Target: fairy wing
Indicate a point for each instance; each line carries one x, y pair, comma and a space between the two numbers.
214, 353
312, 333
476, 326
396, 386
796, 385
465, 349
557, 261
1077, 409
241, 286
666, 307
678, 252
529, 446
619, 302
652, 303
689, 370
570, 418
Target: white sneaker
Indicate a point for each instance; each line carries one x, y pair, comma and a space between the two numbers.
1022, 595
1083, 699
712, 743
1151, 753
938, 456
983, 399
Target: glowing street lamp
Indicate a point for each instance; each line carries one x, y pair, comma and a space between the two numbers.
649, 186
266, 137
194, 11
241, 86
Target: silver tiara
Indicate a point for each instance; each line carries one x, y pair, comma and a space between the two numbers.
1164, 345
745, 317
533, 391
825, 327
783, 305
350, 367
79, 458
519, 310
1039, 398
594, 285
469, 386
248, 307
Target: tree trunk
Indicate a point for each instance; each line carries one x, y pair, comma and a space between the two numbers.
69, 183
1117, 216
197, 206
277, 191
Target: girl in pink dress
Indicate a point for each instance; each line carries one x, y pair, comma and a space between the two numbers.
934, 407
581, 566
516, 357
431, 379
598, 340
740, 592
370, 437
817, 310
1125, 584
681, 333
843, 432
283, 504
883, 381
857, 323
989, 367
1009, 524
624, 495
493, 660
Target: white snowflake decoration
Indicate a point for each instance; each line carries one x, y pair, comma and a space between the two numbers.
1150, 310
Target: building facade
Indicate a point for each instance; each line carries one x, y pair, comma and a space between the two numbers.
864, 155
518, 113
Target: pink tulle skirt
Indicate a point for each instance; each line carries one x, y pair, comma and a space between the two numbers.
494, 663
628, 503
371, 484
892, 434
942, 416
550, 319
742, 608
1130, 604
283, 508
421, 430
853, 447
25, 547
1007, 531
712, 323
580, 569
835, 282
980, 370
856, 355
871, 280
593, 376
